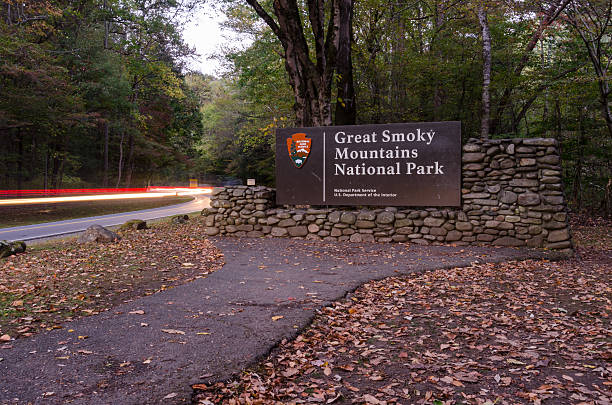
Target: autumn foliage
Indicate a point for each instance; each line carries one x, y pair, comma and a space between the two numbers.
527, 332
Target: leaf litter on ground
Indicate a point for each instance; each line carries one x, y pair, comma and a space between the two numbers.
43, 288
526, 332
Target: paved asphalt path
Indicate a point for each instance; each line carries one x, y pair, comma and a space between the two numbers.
48, 229
226, 319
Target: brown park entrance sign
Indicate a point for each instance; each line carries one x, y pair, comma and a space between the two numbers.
410, 164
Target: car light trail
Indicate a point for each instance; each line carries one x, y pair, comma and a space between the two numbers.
72, 191
156, 192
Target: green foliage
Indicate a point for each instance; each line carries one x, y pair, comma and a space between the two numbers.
423, 62
91, 68
71, 73
241, 111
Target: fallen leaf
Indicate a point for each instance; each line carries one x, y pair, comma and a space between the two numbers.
173, 331
277, 317
471, 377
350, 387
370, 399
332, 400
290, 372
447, 379
347, 367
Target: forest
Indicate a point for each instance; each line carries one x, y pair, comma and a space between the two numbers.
98, 92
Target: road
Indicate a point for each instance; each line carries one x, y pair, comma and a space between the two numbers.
48, 229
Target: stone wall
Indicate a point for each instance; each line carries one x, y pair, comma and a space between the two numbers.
512, 195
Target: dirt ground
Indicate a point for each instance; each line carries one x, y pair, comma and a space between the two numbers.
521, 332
528, 332
52, 284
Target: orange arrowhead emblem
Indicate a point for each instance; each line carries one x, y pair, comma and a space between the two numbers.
298, 147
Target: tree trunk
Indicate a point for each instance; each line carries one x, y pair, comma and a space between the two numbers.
60, 173
545, 113
577, 189
55, 164
396, 93
106, 26
346, 113
486, 71
311, 82
58, 157
608, 197
120, 165
438, 93
19, 159
547, 19
605, 104
558, 123
47, 164
130, 168
106, 139
592, 23
33, 158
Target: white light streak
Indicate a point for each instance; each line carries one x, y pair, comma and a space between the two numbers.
152, 194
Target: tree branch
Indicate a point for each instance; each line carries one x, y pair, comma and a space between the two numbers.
316, 15
266, 17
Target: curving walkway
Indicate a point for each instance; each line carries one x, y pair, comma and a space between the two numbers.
214, 326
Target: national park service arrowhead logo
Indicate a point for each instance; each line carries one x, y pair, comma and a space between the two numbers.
299, 148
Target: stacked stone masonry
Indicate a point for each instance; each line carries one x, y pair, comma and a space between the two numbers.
512, 195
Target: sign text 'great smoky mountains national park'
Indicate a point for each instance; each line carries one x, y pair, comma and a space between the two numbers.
410, 164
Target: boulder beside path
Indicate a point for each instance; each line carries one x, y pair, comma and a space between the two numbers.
11, 248
97, 233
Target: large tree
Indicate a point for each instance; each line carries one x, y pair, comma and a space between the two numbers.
486, 70
592, 19
312, 80
548, 12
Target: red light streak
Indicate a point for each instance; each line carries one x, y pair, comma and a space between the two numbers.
47, 196
74, 191
95, 190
